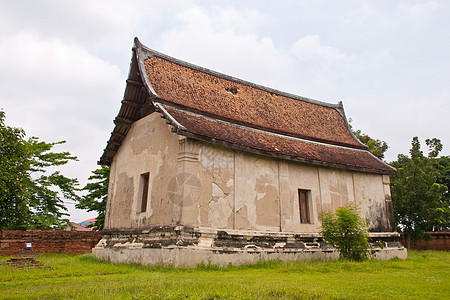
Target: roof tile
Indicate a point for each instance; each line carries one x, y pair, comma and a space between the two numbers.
246, 104
291, 148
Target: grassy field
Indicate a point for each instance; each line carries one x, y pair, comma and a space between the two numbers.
425, 275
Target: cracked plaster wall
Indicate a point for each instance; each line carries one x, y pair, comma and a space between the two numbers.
245, 191
151, 147
204, 185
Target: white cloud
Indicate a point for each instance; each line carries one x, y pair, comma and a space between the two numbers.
227, 18
418, 10
422, 117
311, 48
59, 91
357, 14
47, 75
40, 63
216, 40
320, 66
106, 26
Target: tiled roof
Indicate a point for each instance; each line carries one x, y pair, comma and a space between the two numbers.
247, 104
254, 140
213, 107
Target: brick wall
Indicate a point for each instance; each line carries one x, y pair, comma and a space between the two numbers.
440, 241
12, 242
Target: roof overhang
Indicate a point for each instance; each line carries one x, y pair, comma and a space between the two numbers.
228, 128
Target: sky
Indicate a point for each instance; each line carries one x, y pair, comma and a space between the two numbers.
63, 64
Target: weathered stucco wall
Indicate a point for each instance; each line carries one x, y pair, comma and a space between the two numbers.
150, 147
372, 194
257, 202
199, 184
295, 177
250, 192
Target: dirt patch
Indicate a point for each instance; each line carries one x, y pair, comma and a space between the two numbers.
24, 263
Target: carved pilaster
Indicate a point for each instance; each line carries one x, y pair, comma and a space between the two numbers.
188, 149
388, 204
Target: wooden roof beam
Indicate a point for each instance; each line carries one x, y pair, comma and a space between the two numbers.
113, 143
123, 122
110, 151
118, 134
130, 103
104, 161
134, 82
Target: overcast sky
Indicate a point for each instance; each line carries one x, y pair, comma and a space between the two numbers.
63, 64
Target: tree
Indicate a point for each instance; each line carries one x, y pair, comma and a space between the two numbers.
97, 195
30, 197
376, 147
13, 173
444, 179
417, 197
347, 231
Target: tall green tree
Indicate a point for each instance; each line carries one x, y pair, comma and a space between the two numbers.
31, 196
444, 179
13, 174
417, 197
97, 194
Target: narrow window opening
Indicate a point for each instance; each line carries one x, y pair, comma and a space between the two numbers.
304, 206
144, 195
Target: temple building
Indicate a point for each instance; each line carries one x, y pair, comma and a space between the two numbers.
209, 168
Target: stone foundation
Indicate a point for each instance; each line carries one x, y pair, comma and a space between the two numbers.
187, 247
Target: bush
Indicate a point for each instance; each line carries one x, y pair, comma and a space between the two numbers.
347, 231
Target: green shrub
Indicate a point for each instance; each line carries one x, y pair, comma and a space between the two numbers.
347, 231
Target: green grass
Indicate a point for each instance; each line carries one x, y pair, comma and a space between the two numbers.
425, 275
